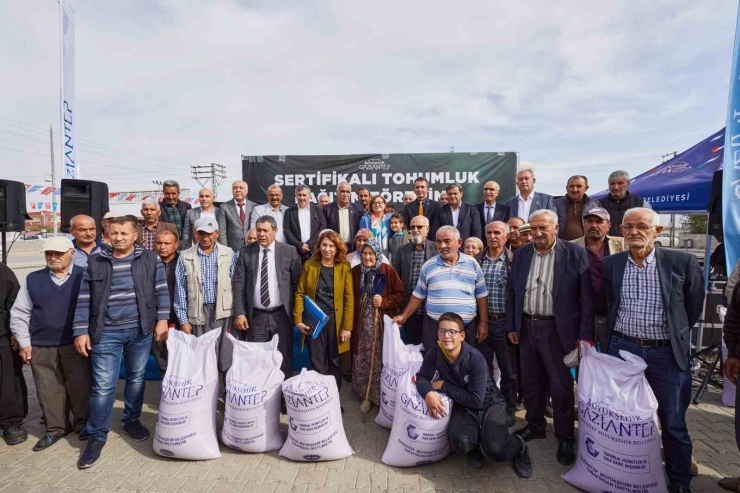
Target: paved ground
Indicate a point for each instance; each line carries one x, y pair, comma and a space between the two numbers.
128, 466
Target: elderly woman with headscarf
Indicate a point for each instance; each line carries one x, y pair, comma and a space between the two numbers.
377, 289
361, 237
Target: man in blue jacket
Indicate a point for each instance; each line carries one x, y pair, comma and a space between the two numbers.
123, 296
477, 425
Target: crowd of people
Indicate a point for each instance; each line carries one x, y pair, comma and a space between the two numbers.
512, 285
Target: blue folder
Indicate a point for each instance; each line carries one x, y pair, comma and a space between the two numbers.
314, 317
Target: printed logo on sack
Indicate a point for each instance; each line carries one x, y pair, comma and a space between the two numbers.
411, 432
383, 398
166, 452
590, 447
292, 424
312, 457
422, 462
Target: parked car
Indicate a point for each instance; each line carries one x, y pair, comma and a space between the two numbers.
664, 239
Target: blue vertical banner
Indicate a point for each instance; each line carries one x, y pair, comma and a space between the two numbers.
731, 175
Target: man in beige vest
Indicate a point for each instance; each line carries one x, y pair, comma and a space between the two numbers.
596, 224
203, 295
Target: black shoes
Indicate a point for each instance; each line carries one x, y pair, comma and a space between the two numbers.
523, 463
475, 458
136, 430
527, 434
45, 442
91, 454
566, 454
15, 434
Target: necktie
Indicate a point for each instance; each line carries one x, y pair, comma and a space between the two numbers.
241, 213
489, 216
264, 288
421, 207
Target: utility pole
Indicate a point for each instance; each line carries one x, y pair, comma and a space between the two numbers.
670, 154
213, 173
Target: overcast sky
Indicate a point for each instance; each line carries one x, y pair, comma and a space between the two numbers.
574, 87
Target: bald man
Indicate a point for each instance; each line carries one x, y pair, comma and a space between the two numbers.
488, 210
233, 217
206, 208
86, 241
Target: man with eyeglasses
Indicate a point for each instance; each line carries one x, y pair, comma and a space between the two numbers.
477, 426
549, 311
449, 282
408, 261
654, 297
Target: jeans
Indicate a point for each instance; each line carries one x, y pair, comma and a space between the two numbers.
495, 343
672, 389
106, 361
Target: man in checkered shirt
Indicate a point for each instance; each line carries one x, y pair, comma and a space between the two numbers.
654, 298
204, 298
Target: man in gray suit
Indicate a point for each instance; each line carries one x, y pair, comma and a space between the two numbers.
233, 217
274, 207
407, 262
654, 297
528, 201
205, 198
265, 280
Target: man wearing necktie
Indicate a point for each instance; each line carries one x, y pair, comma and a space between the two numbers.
233, 216
490, 211
266, 276
422, 206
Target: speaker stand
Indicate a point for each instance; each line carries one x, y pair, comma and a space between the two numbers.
5, 249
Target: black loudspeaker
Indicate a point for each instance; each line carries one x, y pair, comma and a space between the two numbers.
84, 197
714, 207
12, 205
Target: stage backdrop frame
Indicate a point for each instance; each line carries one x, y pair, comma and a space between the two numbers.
388, 174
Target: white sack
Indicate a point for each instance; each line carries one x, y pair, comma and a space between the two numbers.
315, 428
416, 438
252, 398
618, 438
398, 360
186, 421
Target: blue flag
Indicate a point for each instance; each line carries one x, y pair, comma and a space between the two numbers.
731, 176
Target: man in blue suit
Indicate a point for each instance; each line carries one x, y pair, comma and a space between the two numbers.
549, 311
528, 201
455, 213
654, 297
488, 210
343, 216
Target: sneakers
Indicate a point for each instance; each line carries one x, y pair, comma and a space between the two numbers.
46, 442
15, 434
136, 430
523, 463
91, 454
475, 458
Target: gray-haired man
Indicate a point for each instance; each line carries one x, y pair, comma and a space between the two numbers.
303, 222
152, 225
620, 200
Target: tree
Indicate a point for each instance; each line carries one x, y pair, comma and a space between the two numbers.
695, 225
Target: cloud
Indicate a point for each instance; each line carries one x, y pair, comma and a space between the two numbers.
569, 85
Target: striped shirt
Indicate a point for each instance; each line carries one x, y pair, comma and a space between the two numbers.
122, 311
538, 293
451, 288
80, 257
496, 274
641, 312
208, 281
162, 294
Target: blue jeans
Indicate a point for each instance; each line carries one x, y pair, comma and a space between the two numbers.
106, 362
672, 389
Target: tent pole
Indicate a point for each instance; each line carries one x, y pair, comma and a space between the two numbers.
707, 254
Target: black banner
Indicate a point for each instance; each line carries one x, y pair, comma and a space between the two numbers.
390, 175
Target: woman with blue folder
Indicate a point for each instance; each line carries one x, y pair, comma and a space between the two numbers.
327, 280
